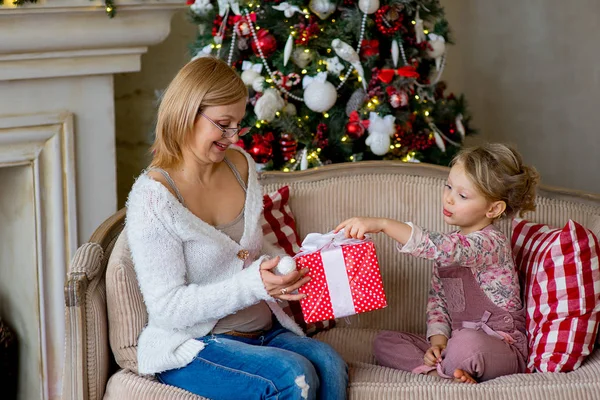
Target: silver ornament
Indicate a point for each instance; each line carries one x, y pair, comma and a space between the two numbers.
347, 53
356, 99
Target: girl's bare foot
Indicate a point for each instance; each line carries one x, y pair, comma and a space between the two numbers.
463, 377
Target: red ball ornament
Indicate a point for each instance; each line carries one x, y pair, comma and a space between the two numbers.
261, 149
266, 41
355, 129
369, 48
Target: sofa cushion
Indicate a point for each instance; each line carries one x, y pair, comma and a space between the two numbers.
126, 385
279, 229
560, 274
127, 314
371, 381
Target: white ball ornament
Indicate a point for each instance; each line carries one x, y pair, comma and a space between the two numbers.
368, 6
290, 109
320, 96
286, 265
248, 76
436, 49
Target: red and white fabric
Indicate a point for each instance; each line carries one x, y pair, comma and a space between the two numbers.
560, 278
279, 227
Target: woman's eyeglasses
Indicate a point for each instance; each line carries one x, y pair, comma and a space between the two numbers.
227, 132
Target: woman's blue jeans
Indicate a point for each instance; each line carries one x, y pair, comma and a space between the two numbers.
279, 365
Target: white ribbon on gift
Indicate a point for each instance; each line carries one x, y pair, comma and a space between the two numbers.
334, 265
255, 67
307, 80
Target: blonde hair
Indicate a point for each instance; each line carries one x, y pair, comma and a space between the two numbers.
201, 83
498, 173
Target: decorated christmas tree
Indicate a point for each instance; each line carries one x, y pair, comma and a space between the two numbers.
338, 81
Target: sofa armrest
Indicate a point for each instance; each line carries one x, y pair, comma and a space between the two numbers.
86, 262
75, 377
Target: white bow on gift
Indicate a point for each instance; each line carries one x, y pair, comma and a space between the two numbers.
324, 241
307, 80
246, 65
288, 9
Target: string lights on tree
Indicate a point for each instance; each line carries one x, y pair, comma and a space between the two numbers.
338, 80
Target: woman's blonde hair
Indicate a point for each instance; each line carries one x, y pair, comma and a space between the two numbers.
498, 173
201, 83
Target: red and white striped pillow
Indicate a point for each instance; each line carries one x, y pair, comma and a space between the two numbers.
279, 229
560, 278
279, 226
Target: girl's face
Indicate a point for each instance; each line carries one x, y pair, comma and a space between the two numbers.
464, 205
207, 144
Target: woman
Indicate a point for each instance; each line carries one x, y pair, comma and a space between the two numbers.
193, 224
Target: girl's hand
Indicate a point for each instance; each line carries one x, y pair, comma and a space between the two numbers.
358, 226
433, 355
281, 286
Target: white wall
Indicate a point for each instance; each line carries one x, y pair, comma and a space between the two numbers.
135, 100
531, 73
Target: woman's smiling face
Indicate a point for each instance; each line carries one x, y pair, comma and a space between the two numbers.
207, 143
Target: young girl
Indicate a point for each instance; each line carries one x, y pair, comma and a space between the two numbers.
475, 317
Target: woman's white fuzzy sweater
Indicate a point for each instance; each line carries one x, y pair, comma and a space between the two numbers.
189, 273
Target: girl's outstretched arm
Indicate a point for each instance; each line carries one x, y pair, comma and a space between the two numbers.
357, 227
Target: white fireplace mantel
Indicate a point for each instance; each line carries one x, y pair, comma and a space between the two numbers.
57, 155
69, 38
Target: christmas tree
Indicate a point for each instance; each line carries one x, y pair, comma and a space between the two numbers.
338, 81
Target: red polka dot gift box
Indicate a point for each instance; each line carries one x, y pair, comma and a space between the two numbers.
345, 277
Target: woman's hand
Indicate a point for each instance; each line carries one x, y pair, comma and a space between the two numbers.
357, 227
281, 286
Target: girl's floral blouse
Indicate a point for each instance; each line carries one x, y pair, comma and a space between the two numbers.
486, 252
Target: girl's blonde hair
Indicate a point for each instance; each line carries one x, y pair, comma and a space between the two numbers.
201, 83
498, 173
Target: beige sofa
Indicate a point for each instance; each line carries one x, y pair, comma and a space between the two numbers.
320, 198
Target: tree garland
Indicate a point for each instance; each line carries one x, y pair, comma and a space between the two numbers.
109, 5
19, 2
